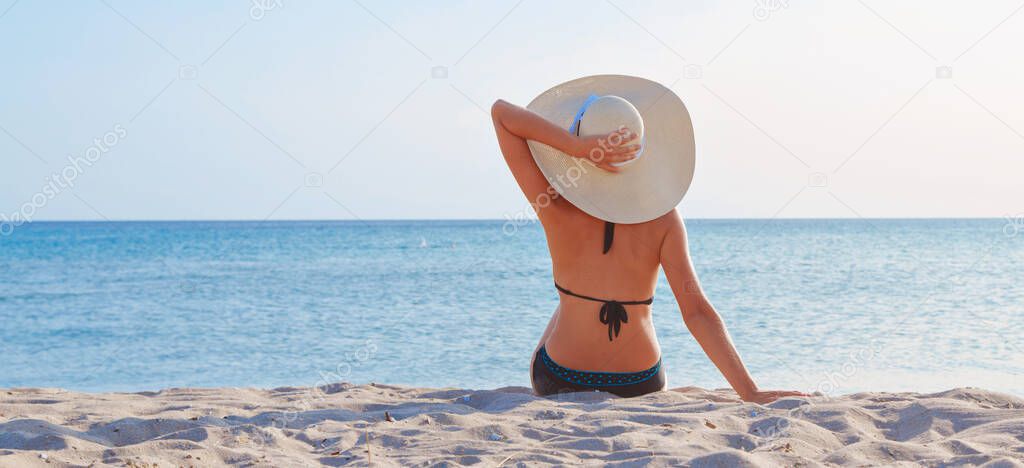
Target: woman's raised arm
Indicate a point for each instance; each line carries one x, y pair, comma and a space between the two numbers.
514, 125
703, 321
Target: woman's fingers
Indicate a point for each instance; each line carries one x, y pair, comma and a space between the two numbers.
618, 147
625, 153
614, 157
622, 157
627, 135
625, 149
631, 150
768, 396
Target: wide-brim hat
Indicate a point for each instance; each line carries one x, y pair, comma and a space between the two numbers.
645, 188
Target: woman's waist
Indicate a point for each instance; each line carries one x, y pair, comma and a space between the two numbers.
609, 322
585, 345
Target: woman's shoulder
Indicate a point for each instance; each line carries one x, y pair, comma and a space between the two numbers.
671, 219
668, 222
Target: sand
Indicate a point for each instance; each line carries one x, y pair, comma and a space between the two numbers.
382, 425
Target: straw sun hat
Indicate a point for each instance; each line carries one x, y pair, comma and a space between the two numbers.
645, 188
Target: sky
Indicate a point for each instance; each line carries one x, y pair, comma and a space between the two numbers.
280, 109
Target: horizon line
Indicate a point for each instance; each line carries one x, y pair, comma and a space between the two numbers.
358, 220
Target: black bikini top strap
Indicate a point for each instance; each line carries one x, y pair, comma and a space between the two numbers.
570, 293
612, 312
609, 235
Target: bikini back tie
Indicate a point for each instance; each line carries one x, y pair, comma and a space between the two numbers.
612, 312
609, 236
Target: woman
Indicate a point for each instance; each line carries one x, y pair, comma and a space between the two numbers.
601, 336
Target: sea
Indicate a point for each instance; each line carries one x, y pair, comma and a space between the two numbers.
830, 305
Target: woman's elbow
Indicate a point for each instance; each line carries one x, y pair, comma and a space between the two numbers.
698, 308
498, 108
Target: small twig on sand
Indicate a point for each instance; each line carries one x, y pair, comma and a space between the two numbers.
503, 461
369, 453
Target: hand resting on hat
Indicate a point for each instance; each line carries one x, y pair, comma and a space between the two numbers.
604, 151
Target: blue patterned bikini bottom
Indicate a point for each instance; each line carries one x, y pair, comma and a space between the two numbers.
550, 378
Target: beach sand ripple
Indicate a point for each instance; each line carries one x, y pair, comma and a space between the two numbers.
384, 425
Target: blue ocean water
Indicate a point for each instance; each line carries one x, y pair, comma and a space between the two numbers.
831, 305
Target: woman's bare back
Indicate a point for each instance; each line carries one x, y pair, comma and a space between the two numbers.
627, 272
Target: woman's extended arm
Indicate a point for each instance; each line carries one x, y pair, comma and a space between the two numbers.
514, 125
703, 321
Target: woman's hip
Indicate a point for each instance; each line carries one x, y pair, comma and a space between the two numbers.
551, 378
